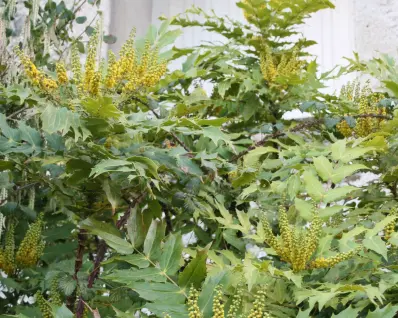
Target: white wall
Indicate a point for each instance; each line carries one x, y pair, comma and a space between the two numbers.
364, 26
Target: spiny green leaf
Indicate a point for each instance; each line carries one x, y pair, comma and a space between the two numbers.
138, 224
348, 313
250, 272
388, 311
342, 172
323, 167
63, 312
138, 260
152, 167
171, 255
338, 193
150, 274
63, 120
115, 242
195, 272
253, 157
376, 244
338, 149
152, 241
354, 153
101, 107
162, 293
313, 186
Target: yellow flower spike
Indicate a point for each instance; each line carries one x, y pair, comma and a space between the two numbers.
300, 253
193, 307
91, 62
322, 262
286, 231
344, 128
54, 293
31, 248
112, 71
218, 305
236, 303
95, 84
267, 65
9, 251
270, 238
258, 310
127, 63
61, 73
76, 65
390, 227
145, 59
313, 235
38, 79
44, 306
289, 64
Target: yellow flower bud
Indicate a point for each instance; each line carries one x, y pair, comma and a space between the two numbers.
61, 74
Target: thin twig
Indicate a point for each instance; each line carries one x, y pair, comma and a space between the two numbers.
79, 6
371, 116
81, 237
101, 250
77, 38
17, 112
80, 308
100, 256
122, 221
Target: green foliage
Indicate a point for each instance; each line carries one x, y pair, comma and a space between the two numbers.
126, 160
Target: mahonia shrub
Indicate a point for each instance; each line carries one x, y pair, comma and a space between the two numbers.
127, 189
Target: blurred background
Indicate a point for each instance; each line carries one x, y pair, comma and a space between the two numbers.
363, 26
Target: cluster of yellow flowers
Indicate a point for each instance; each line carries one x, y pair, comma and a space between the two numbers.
297, 246
62, 76
129, 73
45, 307
193, 307
54, 293
322, 262
76, 65
92, 77
38, 78
7, 254
366, 103
29, 251
258, 310
236, 303
138, 74
218, 304
390, 227
31, 248
273, 66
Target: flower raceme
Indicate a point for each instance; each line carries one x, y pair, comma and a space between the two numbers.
257, 308
38, 79
365, 103
29, 251
297, 246
273, 66
130, 73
